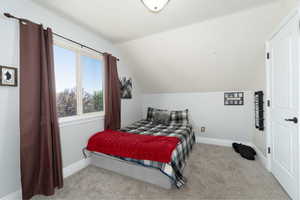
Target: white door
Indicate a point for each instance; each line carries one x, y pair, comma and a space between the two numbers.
284, 94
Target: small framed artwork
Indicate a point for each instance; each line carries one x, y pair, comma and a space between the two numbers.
8, 76
126, 88
259, 110
234, 98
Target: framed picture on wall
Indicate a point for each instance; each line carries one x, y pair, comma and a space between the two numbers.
234, 98
259, 110
8, 76
126, 88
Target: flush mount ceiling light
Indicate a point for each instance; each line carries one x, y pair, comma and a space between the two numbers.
155, 5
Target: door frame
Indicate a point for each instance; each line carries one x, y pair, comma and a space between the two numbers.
294, 13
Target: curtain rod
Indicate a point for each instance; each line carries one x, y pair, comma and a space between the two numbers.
65, 38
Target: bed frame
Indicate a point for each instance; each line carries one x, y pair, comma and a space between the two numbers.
139, 172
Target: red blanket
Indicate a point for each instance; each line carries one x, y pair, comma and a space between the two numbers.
136, 146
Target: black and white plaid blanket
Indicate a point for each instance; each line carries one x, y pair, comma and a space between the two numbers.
182, 131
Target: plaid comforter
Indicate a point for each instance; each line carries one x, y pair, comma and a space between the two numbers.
182, 131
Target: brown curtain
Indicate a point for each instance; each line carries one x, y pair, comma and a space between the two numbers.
41, 161
112, 94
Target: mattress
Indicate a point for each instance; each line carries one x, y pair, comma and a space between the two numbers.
183, 131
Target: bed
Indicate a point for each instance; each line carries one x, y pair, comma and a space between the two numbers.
163, 174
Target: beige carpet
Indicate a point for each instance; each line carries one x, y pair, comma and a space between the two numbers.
213, 172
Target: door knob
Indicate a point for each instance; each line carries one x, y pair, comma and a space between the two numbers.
295, 120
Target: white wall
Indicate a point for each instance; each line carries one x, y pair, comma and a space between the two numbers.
73, 136
225, 53
207, 109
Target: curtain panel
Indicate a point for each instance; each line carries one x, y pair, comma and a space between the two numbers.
112, 94
40, 148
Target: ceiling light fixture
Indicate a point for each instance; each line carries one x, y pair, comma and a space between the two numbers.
155, 5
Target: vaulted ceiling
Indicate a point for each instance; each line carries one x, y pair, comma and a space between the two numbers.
191, 46
123, 20
226, 53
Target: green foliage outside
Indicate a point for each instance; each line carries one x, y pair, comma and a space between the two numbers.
92, 102
67, 102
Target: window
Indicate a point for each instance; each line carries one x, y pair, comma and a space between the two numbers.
92, 98
79, 80
65, 75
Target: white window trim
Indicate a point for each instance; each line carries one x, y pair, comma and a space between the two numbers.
81, 117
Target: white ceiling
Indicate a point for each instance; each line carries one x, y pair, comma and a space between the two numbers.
124, 20
222, 54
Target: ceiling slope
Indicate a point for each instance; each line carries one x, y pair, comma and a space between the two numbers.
124, 20
222, 54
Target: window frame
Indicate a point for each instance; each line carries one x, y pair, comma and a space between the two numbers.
81, 51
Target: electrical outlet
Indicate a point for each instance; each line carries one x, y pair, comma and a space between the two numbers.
202, 129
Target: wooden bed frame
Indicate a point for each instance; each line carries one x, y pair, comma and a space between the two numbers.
139, 172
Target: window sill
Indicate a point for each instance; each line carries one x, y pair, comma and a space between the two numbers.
80, 119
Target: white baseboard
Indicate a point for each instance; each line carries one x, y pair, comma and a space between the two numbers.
75, 167
228, 143
67, 171
219, 142
261, 157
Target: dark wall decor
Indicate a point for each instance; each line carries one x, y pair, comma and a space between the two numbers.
126, 88
259, 110
8, 76
234, 98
